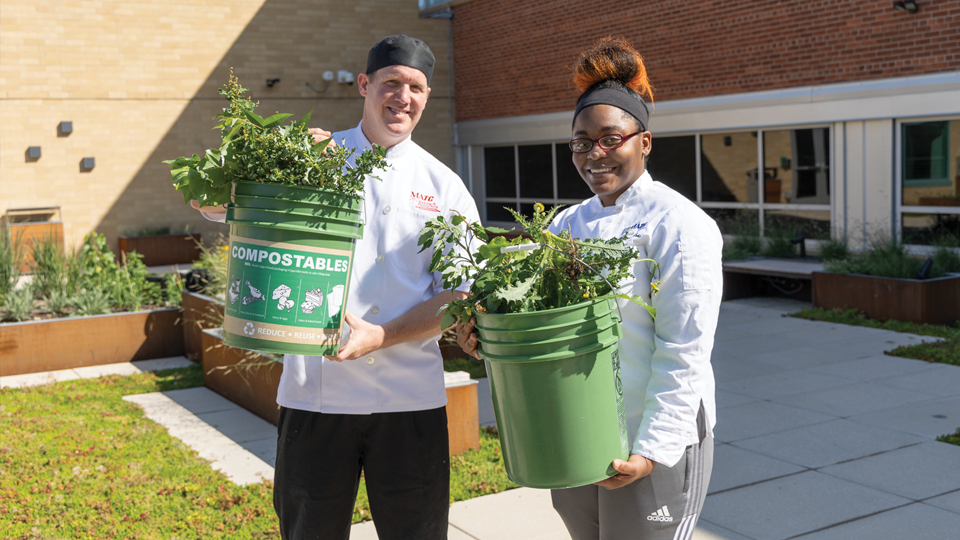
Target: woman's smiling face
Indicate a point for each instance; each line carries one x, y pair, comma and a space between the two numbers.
608, 173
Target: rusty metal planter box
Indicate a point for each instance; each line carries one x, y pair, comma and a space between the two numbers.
163, 249
933, 301
200, 312
254, 387
53, 344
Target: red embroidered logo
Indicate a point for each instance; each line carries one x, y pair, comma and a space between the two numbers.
424, 202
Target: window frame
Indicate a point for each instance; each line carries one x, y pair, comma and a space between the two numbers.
900, 209
761, 207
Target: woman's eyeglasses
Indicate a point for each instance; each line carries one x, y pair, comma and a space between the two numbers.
607, 142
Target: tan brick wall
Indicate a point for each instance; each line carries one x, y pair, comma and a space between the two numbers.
515, 58
138, 79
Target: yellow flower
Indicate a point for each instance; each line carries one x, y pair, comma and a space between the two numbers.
538, 208
586, 295
655, 286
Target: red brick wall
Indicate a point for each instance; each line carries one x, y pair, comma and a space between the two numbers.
514, 57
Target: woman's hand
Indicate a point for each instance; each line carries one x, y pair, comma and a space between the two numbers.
218, 211
466, 338
628, 471
320, 135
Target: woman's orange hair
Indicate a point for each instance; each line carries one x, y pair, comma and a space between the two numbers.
616, 59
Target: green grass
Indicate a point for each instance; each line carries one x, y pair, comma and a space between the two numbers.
476, 368
945, 352
76, 461
952, 439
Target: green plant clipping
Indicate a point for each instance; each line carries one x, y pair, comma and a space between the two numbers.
260, 149
565, 271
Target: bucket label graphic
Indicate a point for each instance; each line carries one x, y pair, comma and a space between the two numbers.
621, 413
284, 292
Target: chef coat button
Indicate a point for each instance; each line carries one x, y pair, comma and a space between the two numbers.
386, 210
370, 360
379, 259
375, 310
619, 209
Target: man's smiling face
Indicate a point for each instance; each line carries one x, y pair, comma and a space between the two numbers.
395, 97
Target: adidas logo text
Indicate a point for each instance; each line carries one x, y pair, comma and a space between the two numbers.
661, 515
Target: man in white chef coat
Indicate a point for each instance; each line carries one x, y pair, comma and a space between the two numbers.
379, 405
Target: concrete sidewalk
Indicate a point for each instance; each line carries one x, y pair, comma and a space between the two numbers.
820, 436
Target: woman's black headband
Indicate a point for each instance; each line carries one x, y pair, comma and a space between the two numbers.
621, 98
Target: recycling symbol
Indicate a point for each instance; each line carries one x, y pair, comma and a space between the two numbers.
248, 329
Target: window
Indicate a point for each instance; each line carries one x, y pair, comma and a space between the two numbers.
926, 151
518, 176
773, 181
929, 179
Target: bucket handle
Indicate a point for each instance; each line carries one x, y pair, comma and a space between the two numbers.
535, 245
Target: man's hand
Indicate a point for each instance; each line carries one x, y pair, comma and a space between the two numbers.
320, 135
364, 339
212, 210
628, 471
466, 338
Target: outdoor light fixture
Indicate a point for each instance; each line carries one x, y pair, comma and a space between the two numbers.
33, 152
727, 140
271, 82
344, 77
88, 163
65, 128
327, 78
910, 6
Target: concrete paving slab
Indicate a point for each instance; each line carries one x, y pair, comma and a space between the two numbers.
757, 303
928, 419
709, 531
852, 399
159, 364
521, 513
37, 379
760, 418
940, 380
950, 501
794, 505
200, 400
800, 357
916, 472
93, 372
485, 404
915, 521
368, 531
240, 426
875, 345
729, 399
265, 449
763, 341
239, 464
874, 367
828, 443
785, 383
735, 467
728, 369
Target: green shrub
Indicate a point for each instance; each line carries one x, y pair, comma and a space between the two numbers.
746, 238
49, 272
18, 304
11, 257
213, 260
780, 243
886, 257
945, 258
951, 439
91, 302
58, 301
834, 249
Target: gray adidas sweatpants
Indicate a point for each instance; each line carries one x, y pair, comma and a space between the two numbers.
662, 506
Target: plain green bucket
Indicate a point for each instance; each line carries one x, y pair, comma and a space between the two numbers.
607, 327
289, 273
536, 320
560, 412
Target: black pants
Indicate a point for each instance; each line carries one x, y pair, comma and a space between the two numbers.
406, 464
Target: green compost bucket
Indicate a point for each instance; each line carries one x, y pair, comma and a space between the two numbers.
289, 268
560, 414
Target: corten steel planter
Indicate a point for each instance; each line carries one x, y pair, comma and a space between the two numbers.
49, 345
933, 301
254, 387
200, 312
163, 249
